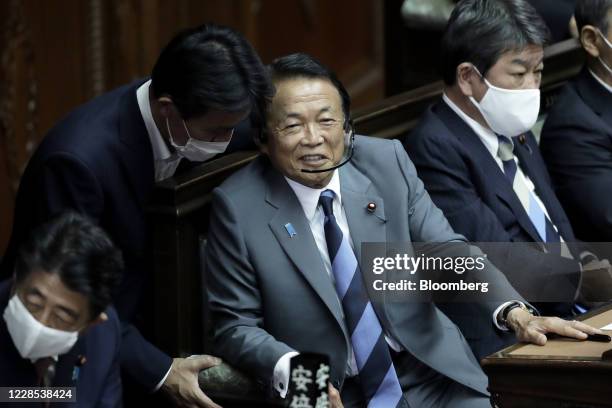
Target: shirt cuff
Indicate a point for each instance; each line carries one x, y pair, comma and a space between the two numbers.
498, 311
163, 380
280, 378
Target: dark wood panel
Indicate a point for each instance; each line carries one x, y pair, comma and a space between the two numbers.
43, 77
58, 54
546, 381
346, 35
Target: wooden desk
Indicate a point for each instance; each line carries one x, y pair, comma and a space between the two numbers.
563, 373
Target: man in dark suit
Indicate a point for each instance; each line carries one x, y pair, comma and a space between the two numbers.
482, 167
577, 135
58, 328
104, 158
285, 264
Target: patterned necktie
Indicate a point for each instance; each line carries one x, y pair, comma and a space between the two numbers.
376, 371
536, 214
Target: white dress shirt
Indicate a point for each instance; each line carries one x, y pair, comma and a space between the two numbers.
309, 199
601, 81
164, 161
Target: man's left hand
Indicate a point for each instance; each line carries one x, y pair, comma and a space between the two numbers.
533, 329
182, 382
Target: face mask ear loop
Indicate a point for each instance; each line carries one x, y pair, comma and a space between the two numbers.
172, 142
609, 45
186, 130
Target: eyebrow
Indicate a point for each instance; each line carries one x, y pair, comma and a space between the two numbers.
299, 115
526, 63
69, 312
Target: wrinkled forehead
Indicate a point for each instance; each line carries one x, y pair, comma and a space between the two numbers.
304, 96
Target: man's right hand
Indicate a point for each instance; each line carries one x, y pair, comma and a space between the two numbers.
533, 329
182, 382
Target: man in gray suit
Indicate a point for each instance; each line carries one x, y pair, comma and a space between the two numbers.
285, 237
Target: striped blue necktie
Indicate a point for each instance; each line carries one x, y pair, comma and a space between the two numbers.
538, 218
536, 214
376, 371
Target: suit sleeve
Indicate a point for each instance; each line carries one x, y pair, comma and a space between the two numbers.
234, 297
448, 180
67, 183
112, 392
428, 224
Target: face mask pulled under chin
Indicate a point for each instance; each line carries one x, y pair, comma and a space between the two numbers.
197, 150
33, 339
509, 112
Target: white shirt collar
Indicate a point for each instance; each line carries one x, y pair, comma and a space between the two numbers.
309, 197
486, 135
601, 81
160, 150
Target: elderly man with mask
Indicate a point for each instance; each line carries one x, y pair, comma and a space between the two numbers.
104, 158
482, 167
58, 328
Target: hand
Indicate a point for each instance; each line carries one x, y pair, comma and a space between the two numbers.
334, 398
596, 282
182, 382
532, 329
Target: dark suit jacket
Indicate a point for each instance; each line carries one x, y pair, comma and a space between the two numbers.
269, 292
465, 182
99, 161
98, 383
577, 147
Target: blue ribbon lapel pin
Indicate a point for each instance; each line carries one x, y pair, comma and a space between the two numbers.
290, 230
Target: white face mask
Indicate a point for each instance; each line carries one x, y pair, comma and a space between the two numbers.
606, 66
198, 150
33, 339
509, 112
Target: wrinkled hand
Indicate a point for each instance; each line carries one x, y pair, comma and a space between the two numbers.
182, 382
334, 398
532, 329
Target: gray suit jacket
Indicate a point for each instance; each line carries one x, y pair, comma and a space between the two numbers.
270, 294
